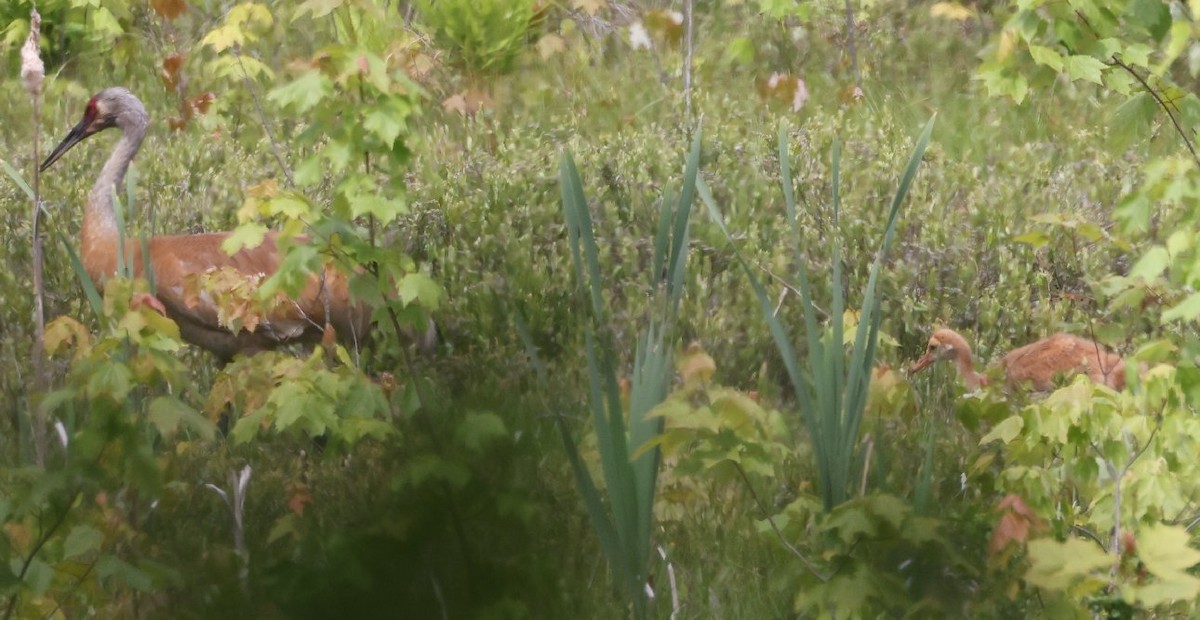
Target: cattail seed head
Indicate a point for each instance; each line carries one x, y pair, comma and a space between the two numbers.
32, 69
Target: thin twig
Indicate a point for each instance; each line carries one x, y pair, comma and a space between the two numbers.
851, 45
262, 118
1088, 534
687, 62
437, 593
1116, 60
870, 441
1115, 547
662, 552
767, 515
42, 540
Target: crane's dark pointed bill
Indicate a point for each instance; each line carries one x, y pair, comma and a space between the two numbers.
78, 133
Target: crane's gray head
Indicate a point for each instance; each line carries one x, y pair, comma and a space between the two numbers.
111, 107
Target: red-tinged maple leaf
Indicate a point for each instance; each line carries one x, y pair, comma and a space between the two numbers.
148, 300
299, 498
1128, 543
786, 89
171, 72
200, 103
329, 338
1012, 528
1015, 525
1013, 502
169, 9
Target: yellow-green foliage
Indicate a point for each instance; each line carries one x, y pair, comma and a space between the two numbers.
483, 36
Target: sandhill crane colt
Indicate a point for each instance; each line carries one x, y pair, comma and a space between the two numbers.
174, 257
1035, 365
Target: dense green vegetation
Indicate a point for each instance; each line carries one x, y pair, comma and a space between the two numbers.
649, 376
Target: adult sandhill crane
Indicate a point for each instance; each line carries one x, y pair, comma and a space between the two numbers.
174, 257
1035, 365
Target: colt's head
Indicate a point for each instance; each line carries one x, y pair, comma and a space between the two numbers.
944, 344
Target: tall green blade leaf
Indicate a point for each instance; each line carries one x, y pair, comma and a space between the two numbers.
811, 327
625, 523
17, 178
89, 287
597, 514
682, 217
839, 306
662, 241
531, 350
778, 332
867, 336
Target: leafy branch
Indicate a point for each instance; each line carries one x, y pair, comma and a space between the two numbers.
1169, 109
45, 537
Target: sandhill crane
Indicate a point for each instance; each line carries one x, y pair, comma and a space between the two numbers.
174, 257
1034, 365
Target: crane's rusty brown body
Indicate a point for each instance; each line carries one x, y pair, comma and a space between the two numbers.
176, 257
1035, 365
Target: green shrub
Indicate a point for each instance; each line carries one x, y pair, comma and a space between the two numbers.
484, 36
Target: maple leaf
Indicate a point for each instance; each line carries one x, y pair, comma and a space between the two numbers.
951, 10
786, 89
664, 25
200, 103
169, 9
329, 339
299, 498
150, 301
172, 72
1015, 524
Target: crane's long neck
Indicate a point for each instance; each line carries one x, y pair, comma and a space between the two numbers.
100, 232
966, 369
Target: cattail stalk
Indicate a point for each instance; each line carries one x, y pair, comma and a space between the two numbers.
33, 72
